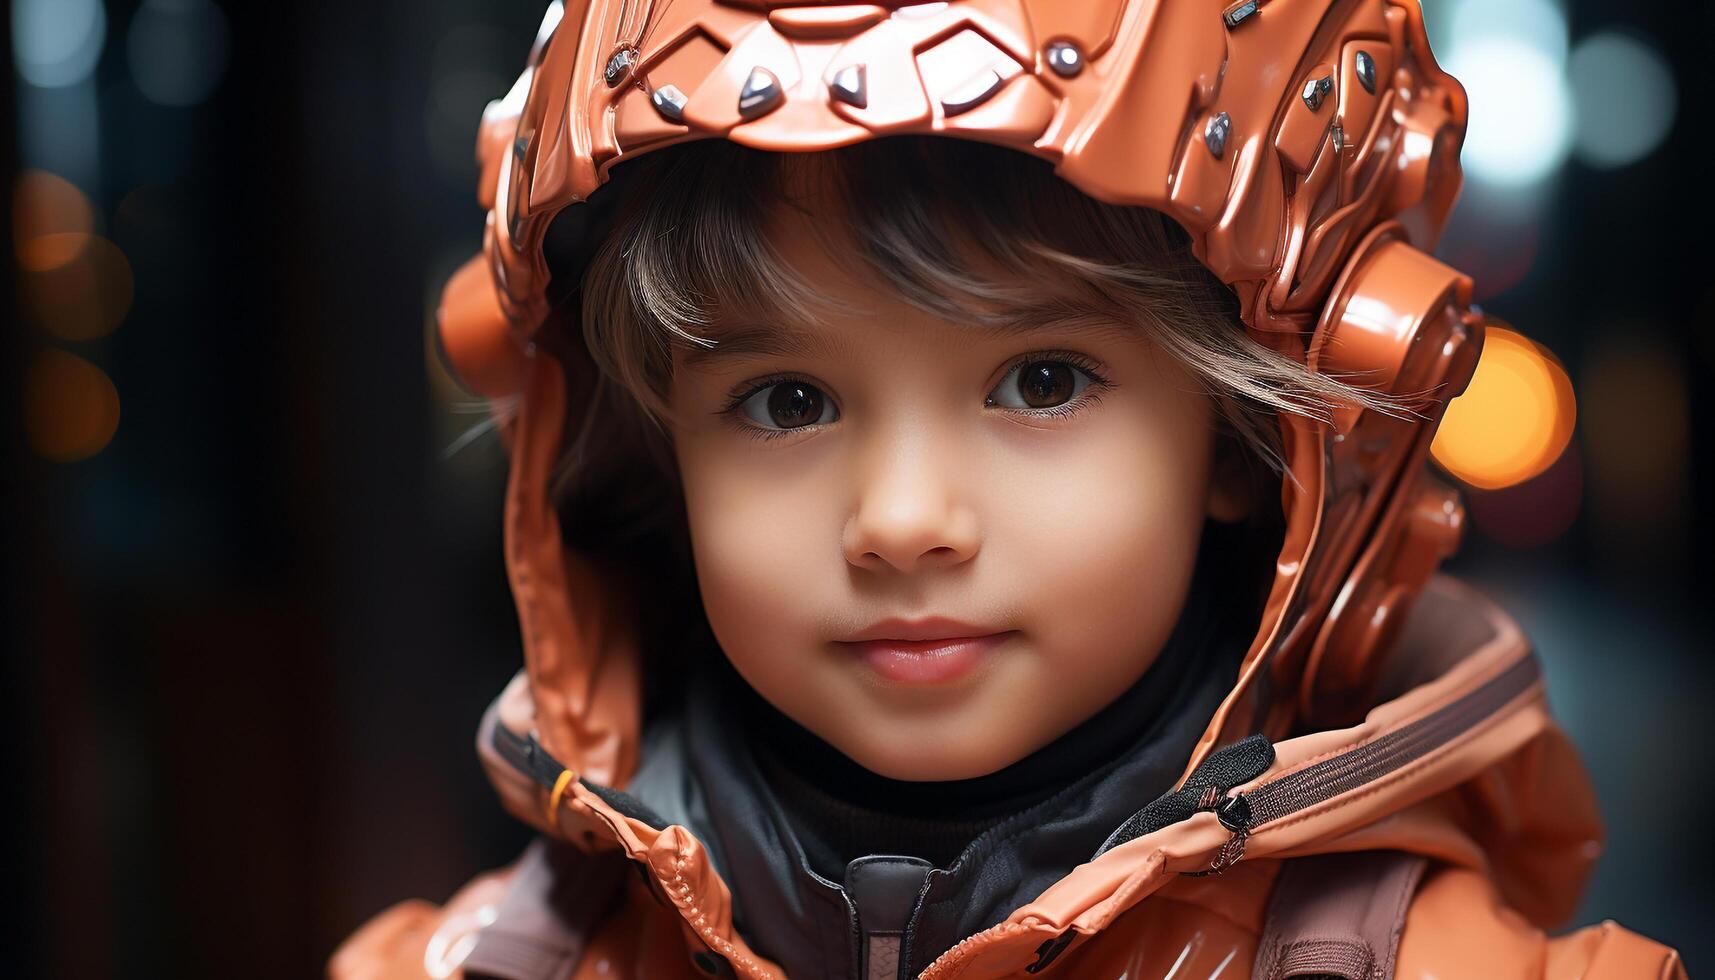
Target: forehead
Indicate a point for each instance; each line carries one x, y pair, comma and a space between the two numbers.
896, 325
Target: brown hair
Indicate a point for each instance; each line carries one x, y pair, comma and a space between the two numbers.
964, 230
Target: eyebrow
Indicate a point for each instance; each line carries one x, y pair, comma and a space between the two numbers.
756, 340
760, 340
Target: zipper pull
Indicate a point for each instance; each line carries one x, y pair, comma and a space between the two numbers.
1206, 789
1234, 813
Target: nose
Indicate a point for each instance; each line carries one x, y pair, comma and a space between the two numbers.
910, 514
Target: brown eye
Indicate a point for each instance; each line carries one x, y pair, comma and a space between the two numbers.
1045, 384
788, 405
1040, 384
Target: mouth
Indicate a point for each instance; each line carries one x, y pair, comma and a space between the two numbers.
924, 652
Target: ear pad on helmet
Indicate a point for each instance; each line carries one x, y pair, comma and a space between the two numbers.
1398, 323
475, 340
1389, 315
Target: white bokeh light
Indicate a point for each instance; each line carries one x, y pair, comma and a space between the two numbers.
1521, 110
1511, 57
177, 50
56, 43
1625, 99
1539, 24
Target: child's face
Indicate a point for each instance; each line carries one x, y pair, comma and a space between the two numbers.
1044, 490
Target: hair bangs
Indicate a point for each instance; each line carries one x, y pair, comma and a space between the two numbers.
968, 232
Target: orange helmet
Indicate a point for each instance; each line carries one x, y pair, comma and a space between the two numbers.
1308, 147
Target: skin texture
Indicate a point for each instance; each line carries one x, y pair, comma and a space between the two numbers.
933, 488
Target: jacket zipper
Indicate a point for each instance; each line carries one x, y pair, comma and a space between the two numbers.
1244, 813
1276, 799
1210, 783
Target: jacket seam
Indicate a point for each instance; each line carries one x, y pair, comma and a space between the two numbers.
681, 857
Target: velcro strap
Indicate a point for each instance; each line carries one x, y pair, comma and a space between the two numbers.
1338, 915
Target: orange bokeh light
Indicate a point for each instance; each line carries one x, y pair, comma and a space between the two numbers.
1513, 421
47, 204
71, 409
75, 286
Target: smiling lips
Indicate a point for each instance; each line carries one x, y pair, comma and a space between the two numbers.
927, 651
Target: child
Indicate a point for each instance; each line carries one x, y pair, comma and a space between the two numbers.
993, 556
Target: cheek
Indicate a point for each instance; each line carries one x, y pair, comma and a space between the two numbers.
1106, 526
756, 534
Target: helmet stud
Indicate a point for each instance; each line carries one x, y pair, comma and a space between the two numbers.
1316, 90
669, 102
850, 85
1064, 59
1366, 68
1240, 12
619, 66
1215, 133
973, 93
760, 94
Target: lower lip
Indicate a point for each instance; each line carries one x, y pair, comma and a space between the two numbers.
927, 661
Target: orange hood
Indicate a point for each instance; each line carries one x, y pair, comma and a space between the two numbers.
1308, 147
1311, 153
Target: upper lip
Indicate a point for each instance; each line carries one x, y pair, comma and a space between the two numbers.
931, 628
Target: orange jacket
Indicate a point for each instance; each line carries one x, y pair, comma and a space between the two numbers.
1460, 777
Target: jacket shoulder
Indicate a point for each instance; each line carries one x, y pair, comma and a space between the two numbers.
416, 939
1458, 926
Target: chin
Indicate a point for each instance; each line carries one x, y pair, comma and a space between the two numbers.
908, 760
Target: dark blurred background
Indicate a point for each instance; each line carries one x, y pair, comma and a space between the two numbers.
253, 533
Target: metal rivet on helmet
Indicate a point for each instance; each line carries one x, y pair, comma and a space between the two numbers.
1238, 13
760, 94
1316, 89
1064, 58
669, 102
973, 93
850, 85
619, 66
1366, 66
1216, 132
